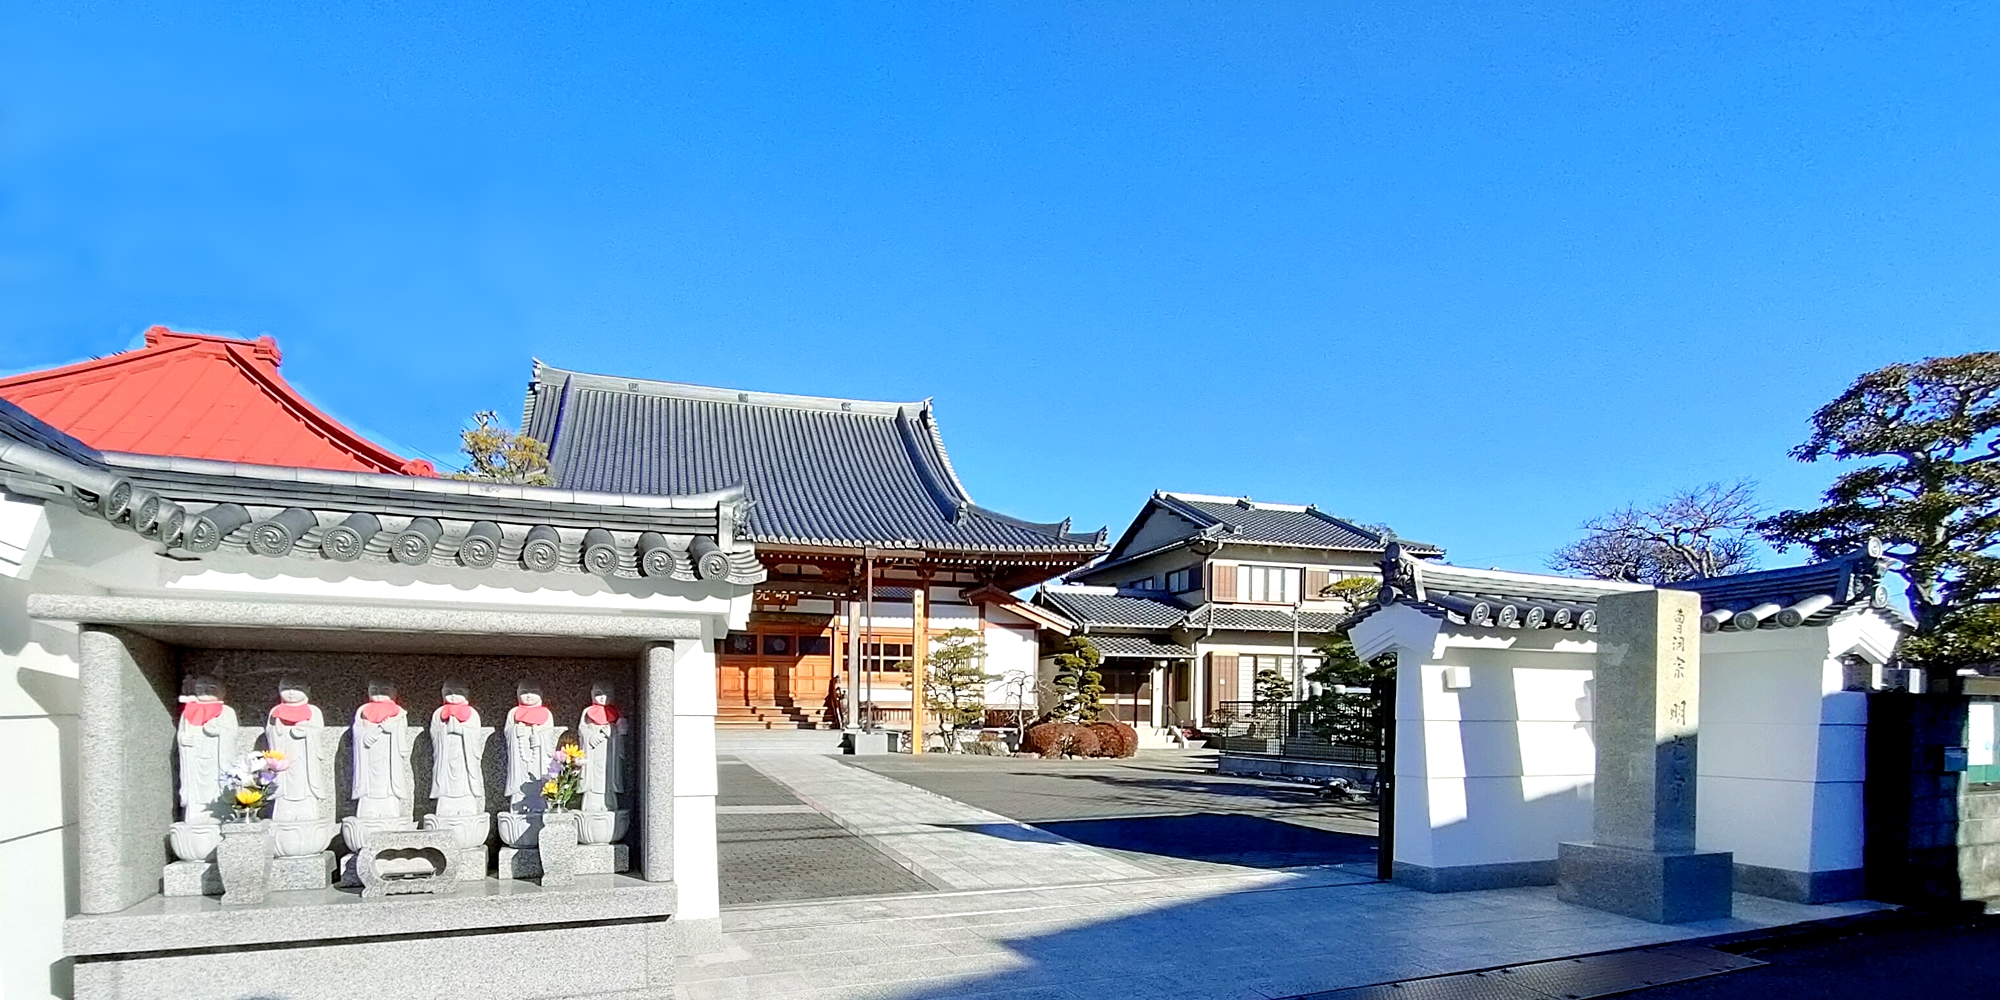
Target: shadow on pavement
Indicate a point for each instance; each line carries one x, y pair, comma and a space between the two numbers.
1220, 838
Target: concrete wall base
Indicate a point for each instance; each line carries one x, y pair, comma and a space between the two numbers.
1801, 887
1471, 878
1362, 775
1650, 885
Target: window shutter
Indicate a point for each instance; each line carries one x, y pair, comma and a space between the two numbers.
1194, 577
1222, 674
1316, 581
1222, 585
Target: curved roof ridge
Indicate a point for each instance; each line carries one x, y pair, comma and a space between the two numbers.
547, 374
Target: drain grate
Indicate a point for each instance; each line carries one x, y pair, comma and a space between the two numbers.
1561, 979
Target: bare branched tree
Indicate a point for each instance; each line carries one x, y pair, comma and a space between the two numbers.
1702, 532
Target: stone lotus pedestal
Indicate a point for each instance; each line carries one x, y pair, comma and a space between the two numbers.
194, 874
602, 827
545, 846
468, 838
243, 863
301, 860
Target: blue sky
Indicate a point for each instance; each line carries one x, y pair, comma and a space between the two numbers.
1476, 273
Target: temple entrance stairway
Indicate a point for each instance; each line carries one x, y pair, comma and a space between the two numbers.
778, 713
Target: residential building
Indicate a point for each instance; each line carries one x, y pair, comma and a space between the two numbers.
1201, 593
872, 545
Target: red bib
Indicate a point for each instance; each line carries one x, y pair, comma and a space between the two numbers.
600, 715
200, 713
532, 715
379, 712
456, 713
292, 715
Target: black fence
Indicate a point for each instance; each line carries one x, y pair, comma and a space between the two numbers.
1346, 726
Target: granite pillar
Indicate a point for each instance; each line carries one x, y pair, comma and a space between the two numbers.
1642, 860
126, 683
656, 763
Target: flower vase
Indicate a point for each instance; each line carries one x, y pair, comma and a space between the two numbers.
558, 848
243, 860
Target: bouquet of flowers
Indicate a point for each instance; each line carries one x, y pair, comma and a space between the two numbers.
564, 784
252, 783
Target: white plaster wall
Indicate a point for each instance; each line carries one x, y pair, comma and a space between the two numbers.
1007, 650
38, 724
697, 869
1782, 751
1501, 771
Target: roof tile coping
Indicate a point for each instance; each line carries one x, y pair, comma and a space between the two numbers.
50, 464
550, 375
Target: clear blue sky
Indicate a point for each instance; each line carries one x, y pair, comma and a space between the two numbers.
1476, 274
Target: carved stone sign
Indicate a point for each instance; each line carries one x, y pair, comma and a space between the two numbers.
1643, 860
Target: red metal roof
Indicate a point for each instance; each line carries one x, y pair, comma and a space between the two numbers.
191, 395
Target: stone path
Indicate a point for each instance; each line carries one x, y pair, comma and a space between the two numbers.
1243, 936
773, 847
947, 843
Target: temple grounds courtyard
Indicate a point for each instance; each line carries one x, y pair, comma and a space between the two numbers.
991, 878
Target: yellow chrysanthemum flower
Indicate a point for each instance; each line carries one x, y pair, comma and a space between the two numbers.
548, 788
274, 755
249, 797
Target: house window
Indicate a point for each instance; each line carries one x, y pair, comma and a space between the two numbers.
888, 657
815, 645
1148, 583
1181, 581
1267, 584
777, 645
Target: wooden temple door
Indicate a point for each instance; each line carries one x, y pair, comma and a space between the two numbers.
812, 672
738, 660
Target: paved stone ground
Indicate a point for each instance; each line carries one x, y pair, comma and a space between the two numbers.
1249, 935
948, 843
774, 847
1064, 920
1163, 810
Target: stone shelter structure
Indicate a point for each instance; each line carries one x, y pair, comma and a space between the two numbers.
160, 617
1497, 702
872, 545
1201, 592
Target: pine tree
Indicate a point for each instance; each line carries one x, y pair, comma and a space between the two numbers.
955, 689
1079, 687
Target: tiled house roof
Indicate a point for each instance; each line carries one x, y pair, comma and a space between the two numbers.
1176, 520
1105, 606
190, 395
818, 472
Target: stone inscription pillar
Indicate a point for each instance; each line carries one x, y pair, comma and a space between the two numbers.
1642, 860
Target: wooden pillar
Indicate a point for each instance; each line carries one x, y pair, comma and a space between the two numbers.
920, 657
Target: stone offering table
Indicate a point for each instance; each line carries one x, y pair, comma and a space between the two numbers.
1642, 861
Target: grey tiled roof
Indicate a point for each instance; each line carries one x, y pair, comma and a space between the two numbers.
1100, 606
1230, 616
1248, 521
1138, 646
1814, 594
839, 473
1242, 520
